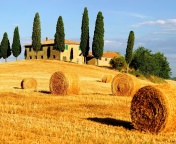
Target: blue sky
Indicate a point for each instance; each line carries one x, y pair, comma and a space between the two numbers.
153, 22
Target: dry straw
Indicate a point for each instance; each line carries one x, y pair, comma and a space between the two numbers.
106, 78
153, 109
125, 85
64, 83
29, 83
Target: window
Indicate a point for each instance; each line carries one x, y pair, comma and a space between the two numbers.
30, 57
41, 57
106, 59
79, 48
66, 47
54, 56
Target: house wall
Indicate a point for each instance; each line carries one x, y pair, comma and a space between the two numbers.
103, 62
49, 53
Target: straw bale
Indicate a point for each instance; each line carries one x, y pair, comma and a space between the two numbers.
125, 85
64, 83
106, 78
153, 109
29, 83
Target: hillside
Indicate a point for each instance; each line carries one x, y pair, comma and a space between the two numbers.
93, 116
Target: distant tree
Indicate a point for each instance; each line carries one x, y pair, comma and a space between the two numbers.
0, 52
150, 64
163, 68
5, 47
71, 54
140, 57
98, 38
25, 53
118, 63
129, 49
84, 44
16, 45
59, 38
36, 34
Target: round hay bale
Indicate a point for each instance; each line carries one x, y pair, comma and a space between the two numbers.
125, 85
153, 109
62, 83
29, 83
106, 78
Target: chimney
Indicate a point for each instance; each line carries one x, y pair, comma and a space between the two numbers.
46, 38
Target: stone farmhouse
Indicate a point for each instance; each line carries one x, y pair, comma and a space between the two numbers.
105, 59
47, 51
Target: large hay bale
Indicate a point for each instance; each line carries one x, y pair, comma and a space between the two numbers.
106, 78
153, 109
29, 83
125, 85
62, 83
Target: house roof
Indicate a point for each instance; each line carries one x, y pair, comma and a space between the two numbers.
110, 54
51, 41
107, 54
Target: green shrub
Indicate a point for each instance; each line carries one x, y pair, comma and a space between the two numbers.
118, 63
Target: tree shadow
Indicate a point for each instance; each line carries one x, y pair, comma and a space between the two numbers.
114, 122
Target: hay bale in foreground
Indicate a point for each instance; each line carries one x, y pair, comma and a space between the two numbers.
125, 85
29, 83
106, 78
153, 109
62, 83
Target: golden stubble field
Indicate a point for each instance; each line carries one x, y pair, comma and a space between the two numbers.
94, 116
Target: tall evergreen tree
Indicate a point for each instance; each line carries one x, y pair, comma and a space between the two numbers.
59, 40
5, 47
71, 54
98, 38
0, 52
84, 44
16, 45
129, 49
36, 34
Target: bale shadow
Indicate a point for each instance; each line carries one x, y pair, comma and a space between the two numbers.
44, 91
114, 122
17, 87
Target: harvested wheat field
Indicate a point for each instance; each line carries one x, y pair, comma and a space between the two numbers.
94, 116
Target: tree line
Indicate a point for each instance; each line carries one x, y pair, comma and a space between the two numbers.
15, 49
142, 60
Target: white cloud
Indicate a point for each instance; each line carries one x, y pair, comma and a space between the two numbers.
137, 15
112, 42
132, 14
169, 22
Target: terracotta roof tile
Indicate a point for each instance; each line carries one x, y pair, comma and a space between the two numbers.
108, 54
51, 41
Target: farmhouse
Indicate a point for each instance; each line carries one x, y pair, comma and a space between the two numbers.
105, 59
47, 51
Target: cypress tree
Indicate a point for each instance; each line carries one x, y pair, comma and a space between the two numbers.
129, 49
59, 41
5, 47
71, 54
0, 52
16, 45
84, 44
36, 34
98, 39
